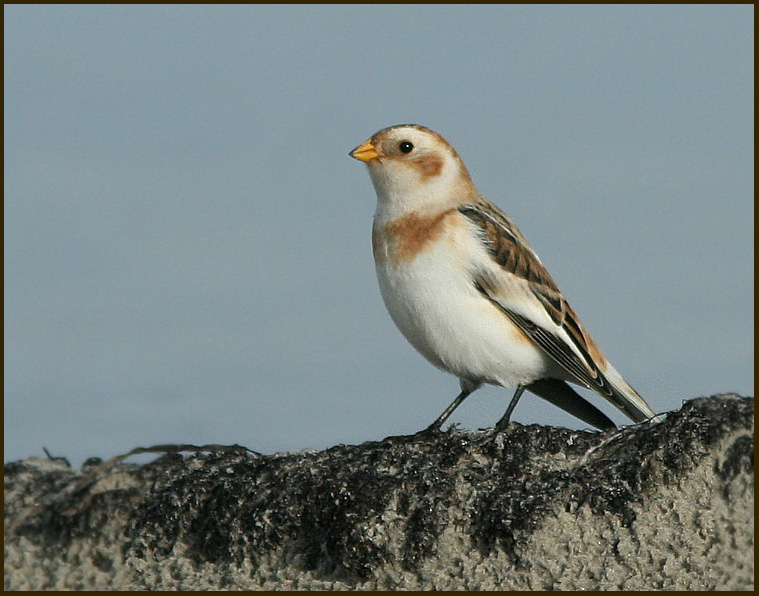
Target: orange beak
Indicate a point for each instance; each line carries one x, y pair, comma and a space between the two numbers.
365, 152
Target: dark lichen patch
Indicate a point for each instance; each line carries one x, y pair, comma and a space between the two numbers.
65, 506
738, 458
613, 478
328, 506
518, 491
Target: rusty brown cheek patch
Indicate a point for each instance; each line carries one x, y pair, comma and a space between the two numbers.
403, 239
430, 166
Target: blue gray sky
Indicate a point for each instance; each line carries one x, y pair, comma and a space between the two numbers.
187, 251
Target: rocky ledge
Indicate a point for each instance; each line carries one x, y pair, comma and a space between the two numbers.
653, 506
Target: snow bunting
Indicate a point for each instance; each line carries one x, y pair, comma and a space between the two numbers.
468, 292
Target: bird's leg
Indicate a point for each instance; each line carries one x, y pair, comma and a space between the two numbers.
435, 426
504, 421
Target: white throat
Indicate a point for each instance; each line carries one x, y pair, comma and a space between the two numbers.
405, 190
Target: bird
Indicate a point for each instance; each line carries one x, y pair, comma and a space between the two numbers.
468, 292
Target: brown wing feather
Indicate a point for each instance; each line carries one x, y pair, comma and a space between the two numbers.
507, 245
509, 248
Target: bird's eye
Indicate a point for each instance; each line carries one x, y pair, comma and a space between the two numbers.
405, 147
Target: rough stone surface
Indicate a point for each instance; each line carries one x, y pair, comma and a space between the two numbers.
663, 506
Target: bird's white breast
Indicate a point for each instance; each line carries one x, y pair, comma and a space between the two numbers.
424, 267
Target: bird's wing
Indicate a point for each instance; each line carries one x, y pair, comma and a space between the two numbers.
521, 287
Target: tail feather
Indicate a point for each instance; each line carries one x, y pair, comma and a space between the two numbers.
562, 395
627, 399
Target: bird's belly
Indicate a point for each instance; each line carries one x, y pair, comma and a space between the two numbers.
437, 308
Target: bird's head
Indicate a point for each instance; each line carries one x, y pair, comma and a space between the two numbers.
412, 167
